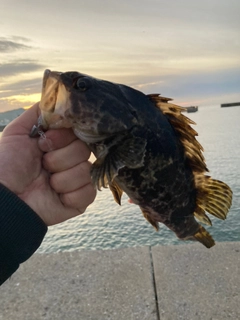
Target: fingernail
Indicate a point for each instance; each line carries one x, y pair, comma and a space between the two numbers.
49, 144
45, 143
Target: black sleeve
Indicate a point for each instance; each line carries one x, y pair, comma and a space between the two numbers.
21, 232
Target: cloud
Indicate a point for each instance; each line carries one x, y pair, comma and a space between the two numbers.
206, 87
10, 46
29, 86
6, 105
13, 44
20, 38
19, 66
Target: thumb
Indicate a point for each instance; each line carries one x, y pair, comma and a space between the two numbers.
24, 123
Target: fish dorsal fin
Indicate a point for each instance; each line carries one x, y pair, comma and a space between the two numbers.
213, 196
182, 125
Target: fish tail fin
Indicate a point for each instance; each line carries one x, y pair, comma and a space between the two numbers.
204, 237
213, 196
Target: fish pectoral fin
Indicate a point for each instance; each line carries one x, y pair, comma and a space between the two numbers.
104, 170
147, 215
129, 153
98, 174
116, 191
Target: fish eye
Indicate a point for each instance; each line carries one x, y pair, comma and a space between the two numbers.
82, 83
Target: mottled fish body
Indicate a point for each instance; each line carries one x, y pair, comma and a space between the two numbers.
144, 146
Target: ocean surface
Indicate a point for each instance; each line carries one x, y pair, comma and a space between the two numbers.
107, 225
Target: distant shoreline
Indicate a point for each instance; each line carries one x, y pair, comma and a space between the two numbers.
2, 127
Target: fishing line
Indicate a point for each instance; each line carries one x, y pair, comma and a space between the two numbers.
43, 136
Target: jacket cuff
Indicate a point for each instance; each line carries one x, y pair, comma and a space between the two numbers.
21, 232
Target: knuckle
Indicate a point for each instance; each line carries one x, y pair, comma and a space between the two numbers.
90, 194
85, 167
49, 161
83, 149
54, 182
80, 199
93, 193
68, 200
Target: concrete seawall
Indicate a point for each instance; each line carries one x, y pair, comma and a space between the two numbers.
165, 282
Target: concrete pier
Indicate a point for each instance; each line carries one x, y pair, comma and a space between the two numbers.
165, 282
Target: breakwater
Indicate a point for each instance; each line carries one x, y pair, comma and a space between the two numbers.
234, 104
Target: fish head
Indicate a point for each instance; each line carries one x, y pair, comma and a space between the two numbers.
95, 109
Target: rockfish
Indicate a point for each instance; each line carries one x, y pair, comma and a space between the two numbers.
144, 146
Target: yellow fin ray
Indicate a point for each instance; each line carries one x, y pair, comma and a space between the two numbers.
147, 215
204, 237
187, 135
116, 191
201, 216
214, 196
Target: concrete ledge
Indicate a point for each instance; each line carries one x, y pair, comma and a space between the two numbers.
195, 283
96, 285
166, 282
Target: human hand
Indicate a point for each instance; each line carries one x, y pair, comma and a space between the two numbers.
51, 175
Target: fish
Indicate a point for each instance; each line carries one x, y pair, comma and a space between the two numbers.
144, 146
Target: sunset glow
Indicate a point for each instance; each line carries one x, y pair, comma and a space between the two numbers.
186, 50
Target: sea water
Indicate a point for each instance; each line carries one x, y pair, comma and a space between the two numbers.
107, 225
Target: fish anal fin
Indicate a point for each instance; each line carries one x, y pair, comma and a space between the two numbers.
204, 237
147, 215
116, 191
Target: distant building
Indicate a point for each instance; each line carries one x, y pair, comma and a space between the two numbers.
192, 109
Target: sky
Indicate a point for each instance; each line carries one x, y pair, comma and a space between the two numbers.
184, 49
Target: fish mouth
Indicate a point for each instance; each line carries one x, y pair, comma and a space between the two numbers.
56, 106
50, 86
54, 101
